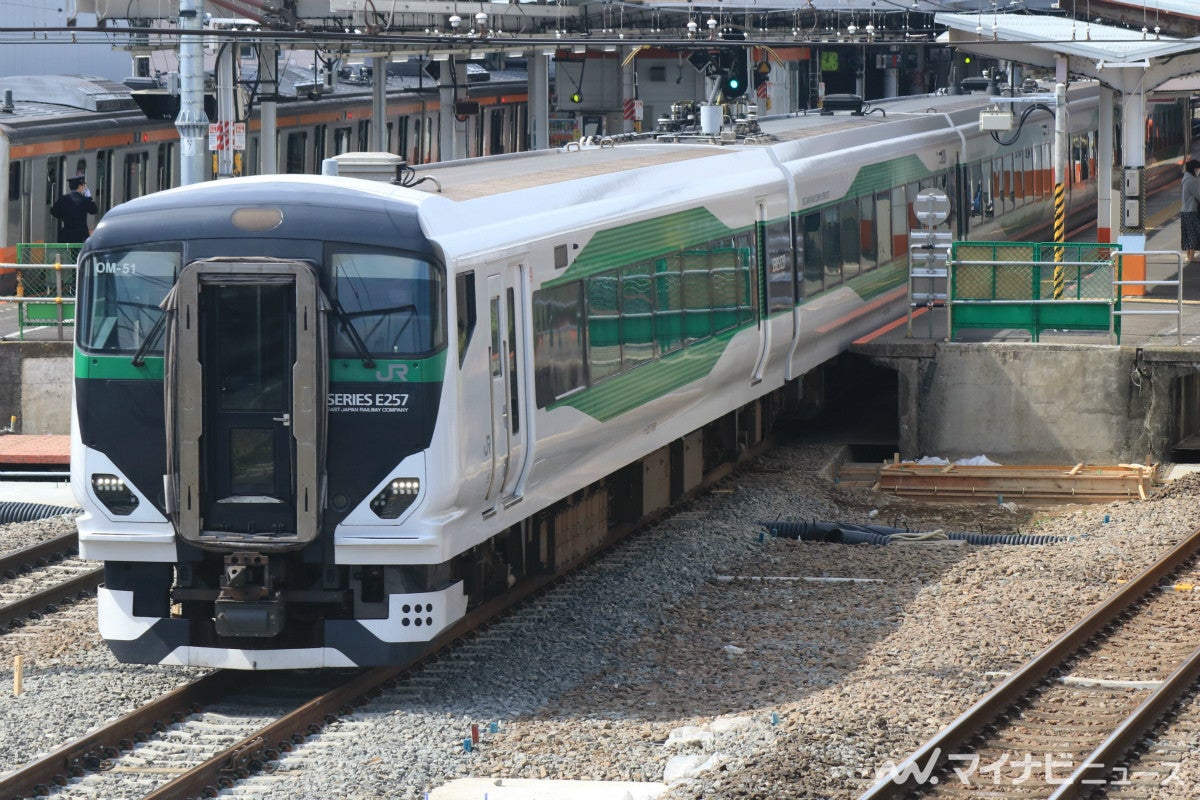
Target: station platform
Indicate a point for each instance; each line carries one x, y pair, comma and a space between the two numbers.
23, 462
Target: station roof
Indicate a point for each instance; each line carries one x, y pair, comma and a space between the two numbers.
1118, 57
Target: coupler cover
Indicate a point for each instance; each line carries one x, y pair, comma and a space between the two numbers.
249, 618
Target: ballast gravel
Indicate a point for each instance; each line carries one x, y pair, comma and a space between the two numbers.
703, 655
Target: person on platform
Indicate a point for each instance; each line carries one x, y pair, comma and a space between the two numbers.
72, 209
1189, 209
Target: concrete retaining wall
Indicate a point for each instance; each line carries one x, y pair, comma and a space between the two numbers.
35, 386
1023, 403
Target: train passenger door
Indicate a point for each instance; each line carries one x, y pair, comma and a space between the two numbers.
759, 287
506, 392
246, 402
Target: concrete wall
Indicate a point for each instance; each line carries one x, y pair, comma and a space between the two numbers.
35, 386
1023, 403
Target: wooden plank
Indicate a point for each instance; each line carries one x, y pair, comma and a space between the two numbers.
1080, 482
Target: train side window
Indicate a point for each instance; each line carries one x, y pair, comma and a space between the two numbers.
603, 326
341, 140
297, 143
781, 281
166, 166
884, 244
320, 136
394, 302
727, 291
668, 304
402, 137
102, 183
135, 175
55, 179
851, 241
814, 255
866, 233
746, 278
637, 316
14, 181
468, 316
833, 246
697, 296
558, 339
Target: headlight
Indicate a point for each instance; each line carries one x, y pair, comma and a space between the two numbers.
396, 497
114, 494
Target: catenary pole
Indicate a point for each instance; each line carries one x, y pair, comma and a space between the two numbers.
192, 122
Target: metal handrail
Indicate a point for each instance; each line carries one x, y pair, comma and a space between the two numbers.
57, 298
1177, 282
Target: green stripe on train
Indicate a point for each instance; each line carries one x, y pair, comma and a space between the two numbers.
661, 236
892, 174
386, 370
390, 370
639, 241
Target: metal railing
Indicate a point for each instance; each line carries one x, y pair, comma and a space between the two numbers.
1177, 282
1034, 286
45, 296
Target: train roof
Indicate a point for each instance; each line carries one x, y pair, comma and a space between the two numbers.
471, 179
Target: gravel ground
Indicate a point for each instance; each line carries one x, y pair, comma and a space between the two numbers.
672, 661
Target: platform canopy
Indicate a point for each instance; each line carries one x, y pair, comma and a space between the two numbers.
416, 24
1120, 58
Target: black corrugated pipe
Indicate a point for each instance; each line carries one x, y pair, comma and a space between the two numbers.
27, 512
850, 533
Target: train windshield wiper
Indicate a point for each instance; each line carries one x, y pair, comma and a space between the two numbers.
139, 358
360, 346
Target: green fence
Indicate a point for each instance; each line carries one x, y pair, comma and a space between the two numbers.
48, 270
1013, 285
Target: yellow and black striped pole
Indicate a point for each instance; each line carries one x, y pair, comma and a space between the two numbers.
1060, 186
1060, 236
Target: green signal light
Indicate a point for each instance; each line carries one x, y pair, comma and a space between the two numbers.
734, 83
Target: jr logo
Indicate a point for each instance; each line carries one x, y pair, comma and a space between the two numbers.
394, 372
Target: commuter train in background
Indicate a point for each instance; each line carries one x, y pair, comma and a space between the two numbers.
54, 127
318, 419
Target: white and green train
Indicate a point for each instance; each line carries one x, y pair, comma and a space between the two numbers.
318, 419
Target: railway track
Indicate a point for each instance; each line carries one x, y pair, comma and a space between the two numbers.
1068, 723
41, 577
228, 725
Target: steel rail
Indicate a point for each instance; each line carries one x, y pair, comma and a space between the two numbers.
236, 762
68, 591
88, 752
1099, 764
934, 754
43, 552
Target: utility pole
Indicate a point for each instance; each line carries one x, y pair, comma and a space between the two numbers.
192, 122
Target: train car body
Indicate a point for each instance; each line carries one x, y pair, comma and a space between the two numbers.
318, 419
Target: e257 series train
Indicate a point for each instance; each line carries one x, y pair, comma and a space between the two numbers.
54, 127
318, 419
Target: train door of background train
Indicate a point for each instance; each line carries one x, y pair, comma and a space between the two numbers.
247, 344
506, 396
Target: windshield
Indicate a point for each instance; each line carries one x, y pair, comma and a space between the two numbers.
395, 303
120, 294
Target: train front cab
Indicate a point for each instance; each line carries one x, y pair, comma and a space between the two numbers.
241, 574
